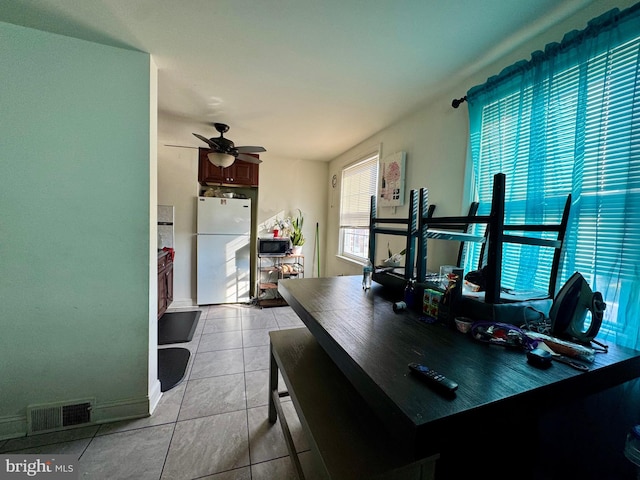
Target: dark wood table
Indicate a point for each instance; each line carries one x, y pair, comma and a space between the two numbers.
499, 397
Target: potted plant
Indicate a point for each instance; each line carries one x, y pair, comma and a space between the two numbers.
297, 238
394, 259
281, 228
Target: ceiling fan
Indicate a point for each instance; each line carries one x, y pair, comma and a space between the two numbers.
224, 152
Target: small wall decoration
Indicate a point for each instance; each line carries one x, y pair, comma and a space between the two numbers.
392, 173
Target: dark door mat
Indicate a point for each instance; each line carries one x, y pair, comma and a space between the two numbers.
172, 365
177, 327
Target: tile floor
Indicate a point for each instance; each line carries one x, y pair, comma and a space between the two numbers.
213, 425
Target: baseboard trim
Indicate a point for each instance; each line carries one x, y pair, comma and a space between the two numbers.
154, 396
15, 426
121, 410
183, 303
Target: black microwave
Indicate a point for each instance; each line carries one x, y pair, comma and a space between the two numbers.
273, 247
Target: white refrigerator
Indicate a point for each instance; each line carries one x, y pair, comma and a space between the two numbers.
223, 252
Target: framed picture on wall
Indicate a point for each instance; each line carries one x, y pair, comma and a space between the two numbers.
392, 179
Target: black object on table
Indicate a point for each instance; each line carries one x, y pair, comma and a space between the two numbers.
435, 379
539, 358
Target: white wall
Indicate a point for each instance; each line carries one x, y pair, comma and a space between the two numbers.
288, 185
74, 226
435, 138
178, 186
285, 186
432, 162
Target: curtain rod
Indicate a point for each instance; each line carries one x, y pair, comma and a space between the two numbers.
457, 101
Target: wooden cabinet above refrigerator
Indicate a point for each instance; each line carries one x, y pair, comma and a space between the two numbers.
239, 174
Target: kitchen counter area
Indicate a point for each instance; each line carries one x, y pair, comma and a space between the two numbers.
165, 280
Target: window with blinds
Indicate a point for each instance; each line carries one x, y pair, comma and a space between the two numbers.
574, 131
536, 191
359, 182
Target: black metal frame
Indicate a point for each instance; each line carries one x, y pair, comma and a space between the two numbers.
420, 225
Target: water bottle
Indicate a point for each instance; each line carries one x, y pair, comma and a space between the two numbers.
410, 293
367, 273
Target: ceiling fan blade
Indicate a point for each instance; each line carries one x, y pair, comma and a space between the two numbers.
179, 146
209, 142
248, 158
246, 149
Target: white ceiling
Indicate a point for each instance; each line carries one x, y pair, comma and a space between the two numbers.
304, 78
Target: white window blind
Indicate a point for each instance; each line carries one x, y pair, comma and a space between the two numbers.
359, 182
574, 131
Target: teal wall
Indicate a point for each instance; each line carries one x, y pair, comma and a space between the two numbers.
74, 222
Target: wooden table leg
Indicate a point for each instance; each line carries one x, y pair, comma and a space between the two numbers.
273, 385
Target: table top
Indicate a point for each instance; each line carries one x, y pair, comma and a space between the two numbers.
372, 346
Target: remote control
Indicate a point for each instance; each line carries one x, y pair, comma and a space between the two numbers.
433, 378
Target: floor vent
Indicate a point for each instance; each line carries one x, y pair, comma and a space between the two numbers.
47, 418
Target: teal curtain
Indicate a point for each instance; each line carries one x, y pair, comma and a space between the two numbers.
568, 121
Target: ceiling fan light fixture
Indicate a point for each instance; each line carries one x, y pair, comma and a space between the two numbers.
223, 152
221, 159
